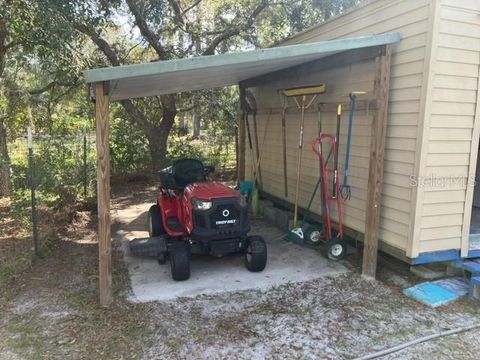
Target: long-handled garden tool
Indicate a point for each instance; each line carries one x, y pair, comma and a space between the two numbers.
335, 187
255, 196
345, 188
303, 93
252, 105
312, 233
251, 108
284, 143
259, 159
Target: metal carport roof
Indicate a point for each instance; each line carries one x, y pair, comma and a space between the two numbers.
206, 72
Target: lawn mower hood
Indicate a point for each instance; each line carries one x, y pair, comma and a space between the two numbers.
218, 211
209, 191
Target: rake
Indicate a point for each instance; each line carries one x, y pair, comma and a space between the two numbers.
307, 95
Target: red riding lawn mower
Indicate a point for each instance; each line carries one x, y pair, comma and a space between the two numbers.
194, 215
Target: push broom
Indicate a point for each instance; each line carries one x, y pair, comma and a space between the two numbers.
304, 93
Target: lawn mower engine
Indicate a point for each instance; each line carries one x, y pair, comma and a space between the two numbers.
194, 215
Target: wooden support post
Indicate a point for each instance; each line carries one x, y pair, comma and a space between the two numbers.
375, 173
103, 194
241, 136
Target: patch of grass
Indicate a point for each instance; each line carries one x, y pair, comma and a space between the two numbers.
8, 269
12, 265
27, 337
81, 298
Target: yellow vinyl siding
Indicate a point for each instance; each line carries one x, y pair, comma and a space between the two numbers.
453, 105
342, 80
433, 103
411, 19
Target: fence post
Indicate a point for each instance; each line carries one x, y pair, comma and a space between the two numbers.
85, 168
31, 166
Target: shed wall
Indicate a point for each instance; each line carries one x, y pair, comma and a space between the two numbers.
358, 76
449, 157
412, 19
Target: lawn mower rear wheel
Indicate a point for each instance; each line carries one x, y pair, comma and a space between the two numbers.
155, 226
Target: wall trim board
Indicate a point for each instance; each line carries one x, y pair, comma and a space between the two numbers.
423, 129
467, 212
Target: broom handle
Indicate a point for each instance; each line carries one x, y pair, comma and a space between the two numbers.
284, 139
349, 139
255, 133
257, 166
335, 160
299, 166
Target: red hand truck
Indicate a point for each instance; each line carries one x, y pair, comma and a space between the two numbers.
332, 233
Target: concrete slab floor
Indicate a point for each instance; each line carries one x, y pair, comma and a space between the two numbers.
150, 281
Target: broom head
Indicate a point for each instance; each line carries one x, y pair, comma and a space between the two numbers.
305, 90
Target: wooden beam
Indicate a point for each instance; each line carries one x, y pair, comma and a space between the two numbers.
364, 106
377, 152
304, 70
241, 136
102, 109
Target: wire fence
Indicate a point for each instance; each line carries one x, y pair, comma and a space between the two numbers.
49, 174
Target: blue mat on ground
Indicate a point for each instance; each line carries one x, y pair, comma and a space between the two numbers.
438, 292
456, 285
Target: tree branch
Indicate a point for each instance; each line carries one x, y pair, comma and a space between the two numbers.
190, 108
50, 85
177, 10
138, 115
148, 34
102, 44
235, 30
12, 44
191, 7
112, 57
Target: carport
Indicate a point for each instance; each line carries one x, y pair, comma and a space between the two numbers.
166, 77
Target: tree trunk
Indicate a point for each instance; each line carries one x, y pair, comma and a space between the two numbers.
197, 120
5, 178
157, 135
169, 111
183, 126
158, 139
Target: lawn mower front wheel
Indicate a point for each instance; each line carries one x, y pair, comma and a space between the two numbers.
180, 260
256, 254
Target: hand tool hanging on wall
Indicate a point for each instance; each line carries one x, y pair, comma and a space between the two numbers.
345, 188
319, 133
255, 195
284, 143
251, 108
335, 153
257, 163
303, 105
252, 104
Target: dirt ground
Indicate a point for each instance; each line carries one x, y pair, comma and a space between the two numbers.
48, 309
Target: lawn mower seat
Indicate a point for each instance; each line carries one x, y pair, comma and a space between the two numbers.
182, 173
